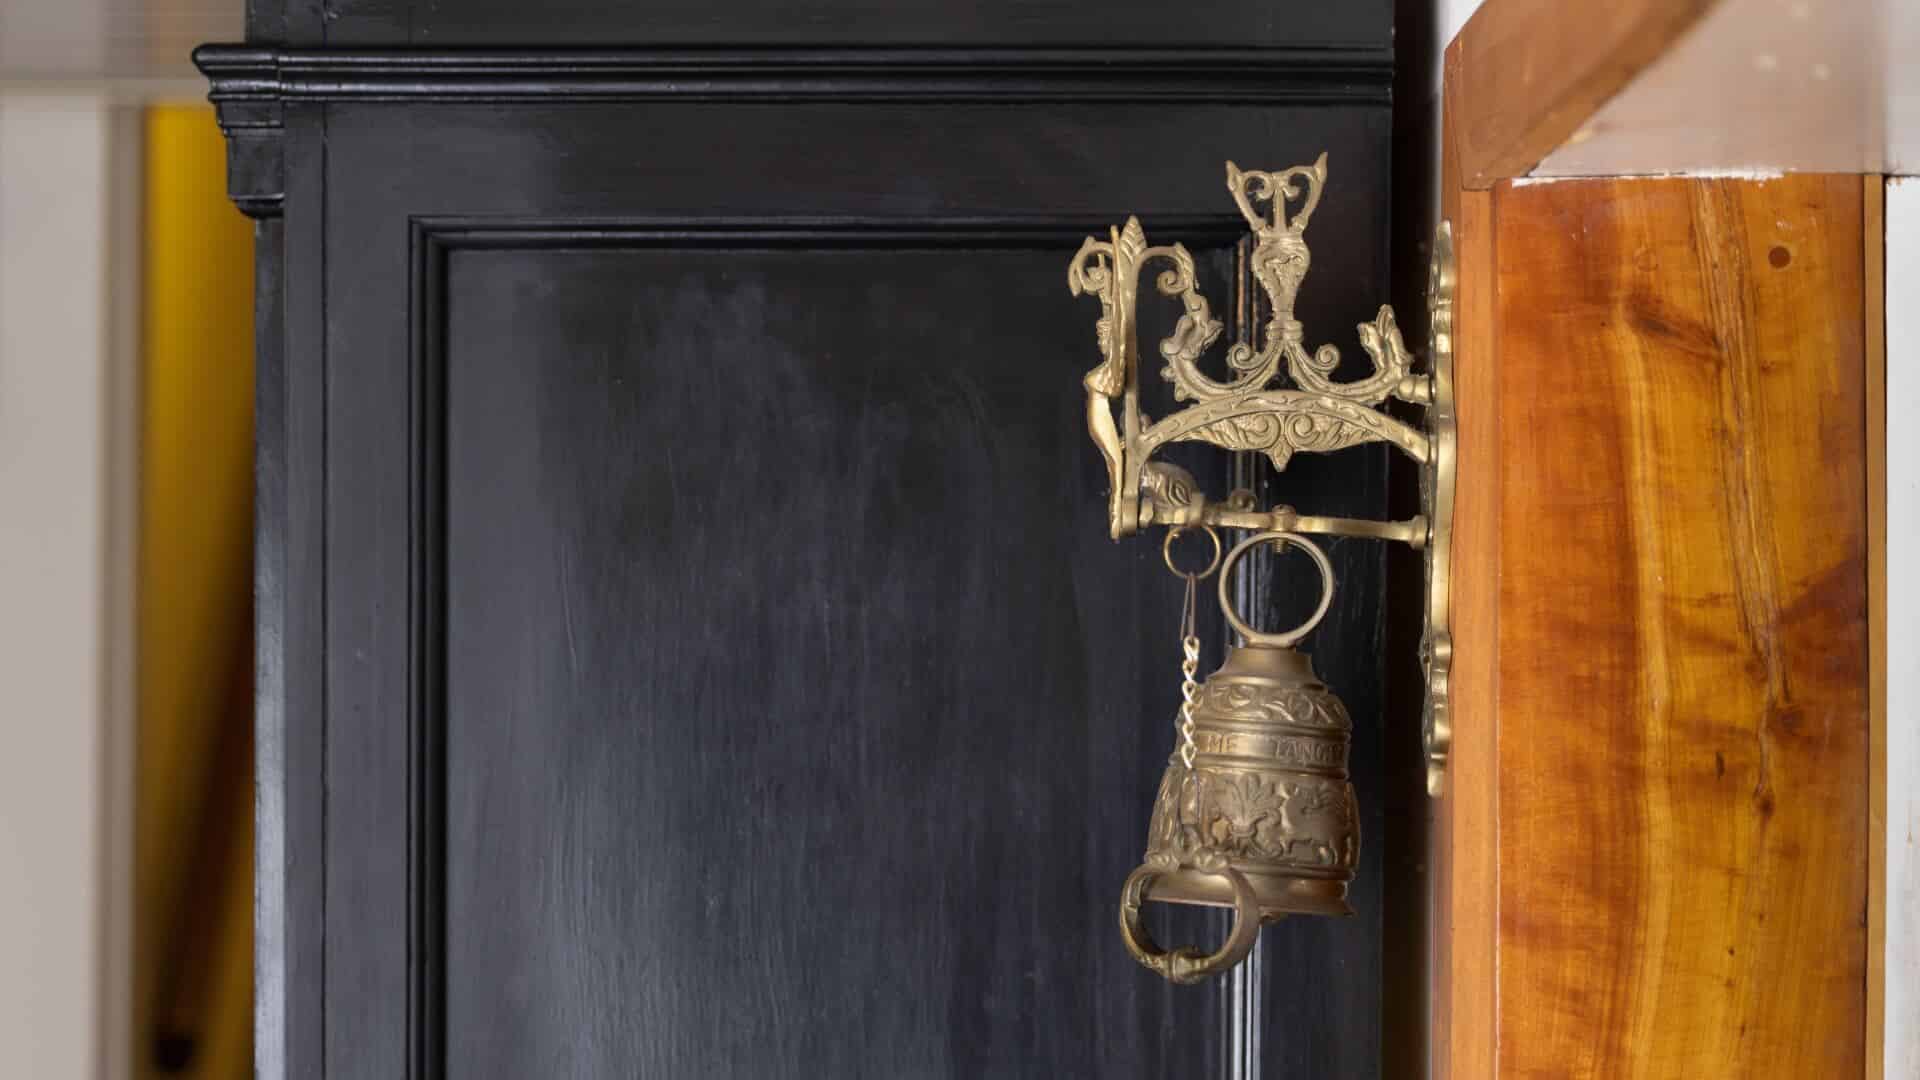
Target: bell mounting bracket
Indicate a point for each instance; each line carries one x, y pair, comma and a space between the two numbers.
1279, 397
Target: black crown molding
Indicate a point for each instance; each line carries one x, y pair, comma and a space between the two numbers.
251, 85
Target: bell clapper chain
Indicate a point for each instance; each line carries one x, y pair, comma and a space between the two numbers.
1189, 685
1189, 636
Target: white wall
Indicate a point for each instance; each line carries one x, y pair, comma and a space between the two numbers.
1903, 631
67, 385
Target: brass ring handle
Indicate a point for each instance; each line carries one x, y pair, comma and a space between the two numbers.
1166, 551
1187, 964
1288, 639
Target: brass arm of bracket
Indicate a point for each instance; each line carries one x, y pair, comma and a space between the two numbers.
1228, 514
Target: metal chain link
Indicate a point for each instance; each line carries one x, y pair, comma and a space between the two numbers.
1189, 637
1189, 668
1190, 690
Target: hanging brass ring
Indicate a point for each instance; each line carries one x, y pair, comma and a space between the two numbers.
1286, 640
1187, 964
1166, 551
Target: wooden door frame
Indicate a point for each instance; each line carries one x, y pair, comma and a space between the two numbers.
1505, 111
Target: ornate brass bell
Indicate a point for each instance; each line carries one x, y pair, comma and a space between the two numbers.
1255, 813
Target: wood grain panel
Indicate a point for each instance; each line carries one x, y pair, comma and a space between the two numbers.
1682, 634
739, 783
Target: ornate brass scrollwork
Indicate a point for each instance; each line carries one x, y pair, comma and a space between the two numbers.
1278, 397
1436, 493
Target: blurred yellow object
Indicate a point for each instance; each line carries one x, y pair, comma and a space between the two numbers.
194, 838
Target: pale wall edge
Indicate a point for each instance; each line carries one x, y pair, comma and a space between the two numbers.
1902, 865
67, 380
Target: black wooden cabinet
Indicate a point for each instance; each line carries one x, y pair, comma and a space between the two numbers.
689, 644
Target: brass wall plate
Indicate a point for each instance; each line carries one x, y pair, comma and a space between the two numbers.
1436, 493
1278, 398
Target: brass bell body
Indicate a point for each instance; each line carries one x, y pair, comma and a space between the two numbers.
1264, 819
1268, 793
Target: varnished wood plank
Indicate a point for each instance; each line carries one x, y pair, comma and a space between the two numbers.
1873, 239
1465, 1003
1532, 71
1682, 627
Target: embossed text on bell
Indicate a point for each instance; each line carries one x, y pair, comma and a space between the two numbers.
1268, 791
